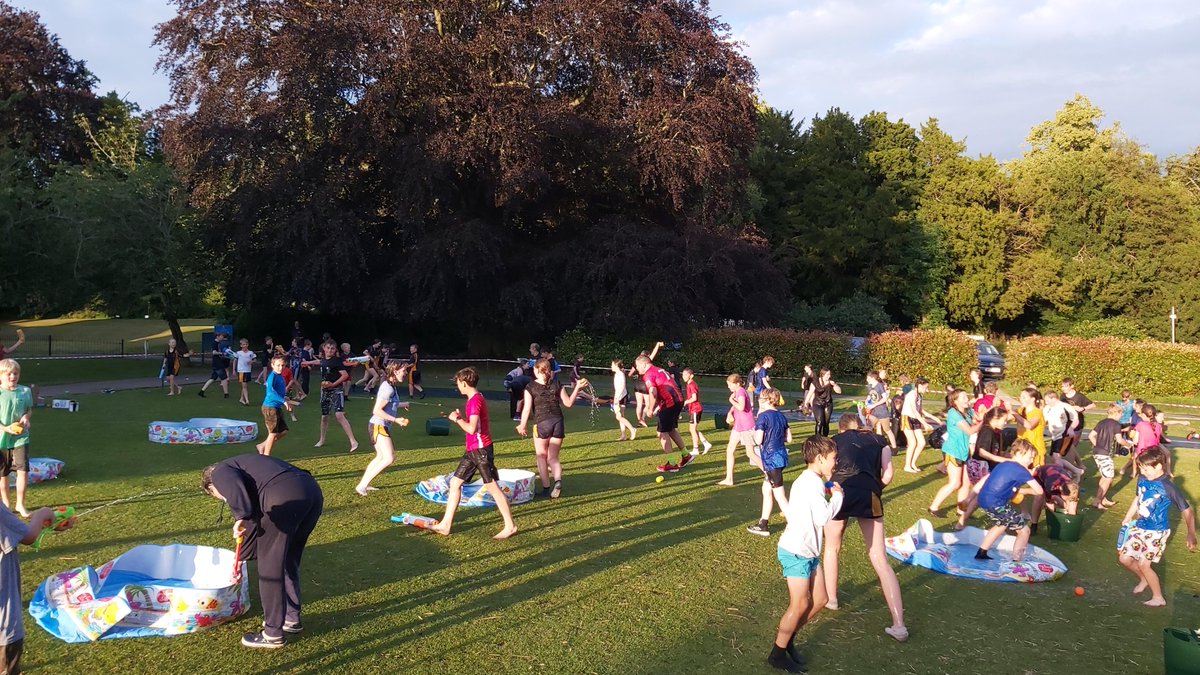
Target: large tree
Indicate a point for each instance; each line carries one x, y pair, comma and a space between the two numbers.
467, 160
42, 90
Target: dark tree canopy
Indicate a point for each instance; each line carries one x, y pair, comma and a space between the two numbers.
42, 90
490, 158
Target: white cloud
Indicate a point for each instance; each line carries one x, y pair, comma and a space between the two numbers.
988, 69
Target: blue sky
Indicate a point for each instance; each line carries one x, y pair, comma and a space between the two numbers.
989, 70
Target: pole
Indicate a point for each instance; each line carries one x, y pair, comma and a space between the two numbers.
1174, 316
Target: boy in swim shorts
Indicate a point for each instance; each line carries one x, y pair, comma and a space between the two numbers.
1146, 527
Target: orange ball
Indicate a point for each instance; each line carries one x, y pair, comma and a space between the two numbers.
1079, 590
1018, 498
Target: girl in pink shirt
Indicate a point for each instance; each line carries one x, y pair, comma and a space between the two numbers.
743, 425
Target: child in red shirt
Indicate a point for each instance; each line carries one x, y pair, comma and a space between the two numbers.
695, 409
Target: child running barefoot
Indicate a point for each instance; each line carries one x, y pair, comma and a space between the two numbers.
996, 493
743, 425
695, 410
478, 458
544, 399
800, 550
771, 436
274, 404
957, 449
333, 376
383, 416
618, 401
1146, 527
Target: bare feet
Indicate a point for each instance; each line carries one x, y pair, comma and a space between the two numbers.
633, 434
621, 437
353, 446
319, 443
832, 604
510, 531
1139, 588
25, 513
909, 470
259, 447
1156, 602
363, 491
725, 483
442, 529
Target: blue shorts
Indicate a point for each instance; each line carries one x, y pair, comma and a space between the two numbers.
796, 567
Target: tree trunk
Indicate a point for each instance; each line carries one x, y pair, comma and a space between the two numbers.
177, 333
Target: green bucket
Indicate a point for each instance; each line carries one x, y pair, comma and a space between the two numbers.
719, 419
437, 426
1181, 652
1063, 526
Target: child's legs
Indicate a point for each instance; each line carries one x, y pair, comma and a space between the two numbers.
872, 531
694, 431
323, 428
270, 442
673, 435
730, 456
954, 481
22, 483
910, 445
768, 500
225, 385
385, 454
502, 506
452, 498
1151, 578
552, 451
1021, 543
341, 418
992, 535
831, 559
800, 602
541, 452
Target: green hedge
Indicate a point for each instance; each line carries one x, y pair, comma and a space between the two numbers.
1146, 367
941, 355
734, 350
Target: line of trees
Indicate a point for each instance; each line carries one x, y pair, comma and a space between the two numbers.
495, 169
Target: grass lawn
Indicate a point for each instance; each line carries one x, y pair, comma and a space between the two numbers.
98, 336
621, 575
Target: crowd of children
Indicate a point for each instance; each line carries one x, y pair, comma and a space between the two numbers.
1012, 481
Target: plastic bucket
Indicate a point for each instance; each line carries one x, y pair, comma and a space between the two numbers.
719, 419
437, 426
1063, 526
1181, 652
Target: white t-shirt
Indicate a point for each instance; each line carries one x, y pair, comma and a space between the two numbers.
244, 359
1058, 417
618, 386
807, 512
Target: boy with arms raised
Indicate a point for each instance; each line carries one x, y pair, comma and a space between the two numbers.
800, 549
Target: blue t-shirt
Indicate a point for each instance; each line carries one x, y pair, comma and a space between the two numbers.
1126, 412
957, 443
774, 449
276, 391
12, 531
1002, 484
1154, 500
761, 381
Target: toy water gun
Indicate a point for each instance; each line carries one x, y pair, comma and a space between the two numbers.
419, 522
237, 560
63, 519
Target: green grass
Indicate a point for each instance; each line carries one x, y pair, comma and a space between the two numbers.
97, 336
621, 575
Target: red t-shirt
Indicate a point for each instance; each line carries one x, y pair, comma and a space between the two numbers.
664, 387
482, 436
693, 389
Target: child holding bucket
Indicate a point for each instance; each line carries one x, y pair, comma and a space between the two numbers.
478, 457
1146, 528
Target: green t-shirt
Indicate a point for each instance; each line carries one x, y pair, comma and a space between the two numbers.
13, 406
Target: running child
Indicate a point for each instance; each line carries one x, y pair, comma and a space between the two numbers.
383, 416
620, 393
1146, 527
819, 398
695, 412
995, 496
274, 404
16, 407
957, 451
478, 457
741, 419
333, 402
876, 408
244, 364
799, 550
666, 403
544, 399
771, 436
1103, 437
220, 366
14, 531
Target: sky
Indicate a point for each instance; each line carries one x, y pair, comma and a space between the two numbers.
988, 70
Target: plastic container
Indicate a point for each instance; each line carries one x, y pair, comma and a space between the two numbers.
1063, 526
1181, 652
719, 419
437, 426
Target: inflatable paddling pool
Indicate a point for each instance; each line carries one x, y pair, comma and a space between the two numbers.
954, 553
203, 431
147, 591
40, 469
517, 485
